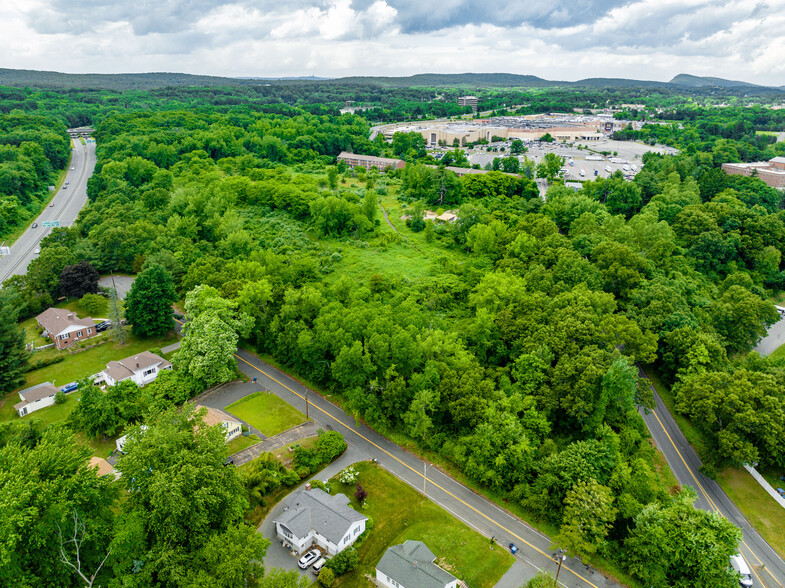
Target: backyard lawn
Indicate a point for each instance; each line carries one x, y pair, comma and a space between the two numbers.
266, 413
400, 513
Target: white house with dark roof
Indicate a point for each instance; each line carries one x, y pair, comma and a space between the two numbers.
36, 398
64, 328
142, 369
313, 517
410, 565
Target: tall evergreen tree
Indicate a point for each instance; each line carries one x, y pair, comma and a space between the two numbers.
148, 306
13, 354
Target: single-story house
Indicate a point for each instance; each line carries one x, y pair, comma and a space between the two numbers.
104, 467
35, 398
232, 428
142, 369
64, 328
410, 565
312, 516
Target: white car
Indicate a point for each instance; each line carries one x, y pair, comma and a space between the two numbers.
740, 567
317, 567
309, 558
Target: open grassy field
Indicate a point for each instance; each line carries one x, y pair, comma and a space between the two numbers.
779, 352
266, 412
761, 510
400, 513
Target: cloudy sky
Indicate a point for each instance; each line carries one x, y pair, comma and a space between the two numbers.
555, 39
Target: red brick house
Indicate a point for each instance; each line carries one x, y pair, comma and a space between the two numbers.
64, 328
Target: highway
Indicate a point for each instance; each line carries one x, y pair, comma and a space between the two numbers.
67, 204
534, 548
767, 566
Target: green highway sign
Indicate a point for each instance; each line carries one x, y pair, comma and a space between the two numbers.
46, 224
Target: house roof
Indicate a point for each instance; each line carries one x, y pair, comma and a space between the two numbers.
215, 416
57, 320
411, 565
777, 160
35, 393
330, 516
104, 468
125, 368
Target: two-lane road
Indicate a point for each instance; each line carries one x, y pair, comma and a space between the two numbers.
535, 553
767, 566
67, 204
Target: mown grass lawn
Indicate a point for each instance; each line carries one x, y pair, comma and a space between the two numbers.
778, 352
266, 413
400, 513
241, 443
761, 510
79, 365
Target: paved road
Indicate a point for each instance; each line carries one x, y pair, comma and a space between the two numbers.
768, 567
773, 339
67, 204
487, 518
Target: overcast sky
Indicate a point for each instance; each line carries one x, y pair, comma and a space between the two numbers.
554, 39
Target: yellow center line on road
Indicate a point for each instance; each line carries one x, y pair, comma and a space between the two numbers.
711, 503
521, 539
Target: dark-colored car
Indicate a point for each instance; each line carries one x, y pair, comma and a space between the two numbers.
102, 326
70, 387
34, 226
229, 461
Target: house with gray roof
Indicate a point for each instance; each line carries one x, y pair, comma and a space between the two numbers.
410, 565
313, 517
64, 328
36, 398
142, 369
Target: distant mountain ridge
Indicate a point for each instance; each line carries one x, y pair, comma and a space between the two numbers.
146, 81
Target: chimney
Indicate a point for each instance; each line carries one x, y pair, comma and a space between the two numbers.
308, 486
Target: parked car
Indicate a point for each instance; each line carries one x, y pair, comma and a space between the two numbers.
229, 461
35, 226
102, 326
317, 567
740, 567
70, 387
308, 559
37, 250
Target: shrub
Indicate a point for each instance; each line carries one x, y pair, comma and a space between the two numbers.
329, 445
306, 458
360, 494
326, 577
42, 363
348, 475
344, 562
93, 304
60, 397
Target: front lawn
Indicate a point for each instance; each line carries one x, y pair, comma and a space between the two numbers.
242, 442
400, 513
266, 412
778, 352
761, 510
47, 416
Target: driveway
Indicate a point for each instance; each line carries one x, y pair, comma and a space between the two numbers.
279, 557
121, 283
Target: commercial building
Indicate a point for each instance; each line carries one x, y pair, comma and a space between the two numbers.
369, 161
468, 101
772, 172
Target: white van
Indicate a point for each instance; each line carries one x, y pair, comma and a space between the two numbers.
316, 568
740, 566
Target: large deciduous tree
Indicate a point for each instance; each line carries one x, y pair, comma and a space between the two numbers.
148, 305
13, 353
78, 279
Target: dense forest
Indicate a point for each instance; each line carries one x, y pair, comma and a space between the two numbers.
507, 342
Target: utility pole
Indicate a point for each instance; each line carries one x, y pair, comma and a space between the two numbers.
424, 476
562, 557
306, 402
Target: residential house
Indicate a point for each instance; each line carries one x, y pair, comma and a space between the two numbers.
142, 369
120, 443
410, 565
36, 398
232, 427
64, 328
313, 517
103, 467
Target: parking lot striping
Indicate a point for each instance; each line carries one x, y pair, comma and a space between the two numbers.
712, 504
521, 539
